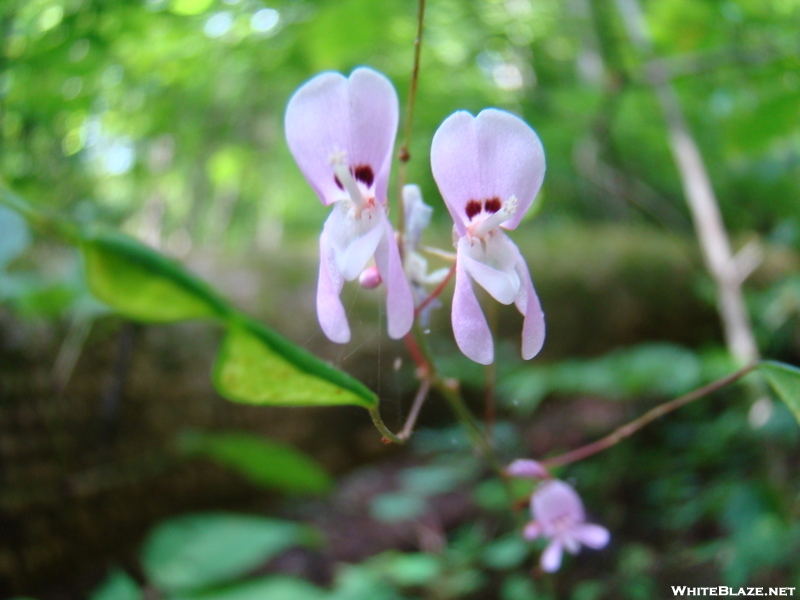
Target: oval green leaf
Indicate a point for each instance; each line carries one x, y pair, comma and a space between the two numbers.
258, 366
273, 587
118, 586
196, 551
143, 285
263, 461
785, 380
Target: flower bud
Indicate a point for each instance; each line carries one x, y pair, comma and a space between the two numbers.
370, 278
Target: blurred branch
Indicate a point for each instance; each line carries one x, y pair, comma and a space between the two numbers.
702, 62
629, 429
700, 196
616, 182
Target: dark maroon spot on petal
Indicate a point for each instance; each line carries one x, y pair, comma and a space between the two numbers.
364, 174
338, 183
492, 205
473, 208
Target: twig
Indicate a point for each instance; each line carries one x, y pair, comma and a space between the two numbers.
629, 429
699, 194
438, 290
411, 420
403, 154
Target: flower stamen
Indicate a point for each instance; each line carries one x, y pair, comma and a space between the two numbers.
492, 221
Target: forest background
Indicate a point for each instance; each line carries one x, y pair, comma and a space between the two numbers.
164, 119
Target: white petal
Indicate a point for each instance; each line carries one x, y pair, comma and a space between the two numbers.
374, 113
511, 160
555, 502
317, 123
454, 162
330, 311
527, 303
399, 302
357, 118
532, 531
472, 333
492, 264
354, 240
551, 557
493, 155
593, 536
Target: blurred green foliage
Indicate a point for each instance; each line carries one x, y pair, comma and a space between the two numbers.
164, 118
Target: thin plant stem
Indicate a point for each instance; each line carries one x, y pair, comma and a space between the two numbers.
462, 412
629, 429
411, 421
403, 154
388, 436
438, 290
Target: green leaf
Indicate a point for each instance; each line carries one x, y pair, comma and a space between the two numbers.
785, 380
506, 553
118, 586
394, 507
143, 285
409, 569
191, 552
274, 587
258, 366
264, 462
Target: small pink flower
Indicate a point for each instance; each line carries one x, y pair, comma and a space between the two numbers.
341, 132
528, 469
558, 514
489, 169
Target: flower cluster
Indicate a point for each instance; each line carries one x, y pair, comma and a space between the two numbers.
489, 168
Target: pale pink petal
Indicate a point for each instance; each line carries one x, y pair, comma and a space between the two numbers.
454, 162
330, 310
493, 155
492, 264
373, 117
551, 557
317, 123
511, 160
333, 116
556, 502
417, 216
532, 531
593, 536
527, 303
470, 329
399, 302
524, 467
354, 240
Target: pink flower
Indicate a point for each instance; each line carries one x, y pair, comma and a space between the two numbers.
489, 169
558, 514
527, 469
341, 132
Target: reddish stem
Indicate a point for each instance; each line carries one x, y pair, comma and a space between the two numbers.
438, 290
629, 429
